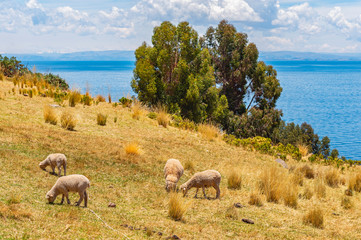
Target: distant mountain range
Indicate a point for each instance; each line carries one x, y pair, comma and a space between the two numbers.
117, 55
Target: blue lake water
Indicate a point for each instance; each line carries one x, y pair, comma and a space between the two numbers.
326, 95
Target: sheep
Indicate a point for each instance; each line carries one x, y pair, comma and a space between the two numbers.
205, 179
173, 170
72, 183
54, 160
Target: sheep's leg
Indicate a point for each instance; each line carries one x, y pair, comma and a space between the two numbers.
195, 196
62, 199
204, 192
67, 198
81, 194
64, 166
218, 191
85, 199
53, 170
59, 169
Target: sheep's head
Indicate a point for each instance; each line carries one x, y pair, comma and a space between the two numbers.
50, 197
183, 188
170, 186
43, 164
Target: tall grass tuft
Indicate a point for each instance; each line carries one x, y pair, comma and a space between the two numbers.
232, 213
255, 199
68, 121
87, 100
162, 118
320, 188
109, 98
74, 98
234, 180
100, 98
132, 149
332, 177
176, 207
346, 202
50, 115
270, 183
354, 182
314, 217
208, 131
137, 110
307, 193
308, 171
101, 119
303, 149
290, 194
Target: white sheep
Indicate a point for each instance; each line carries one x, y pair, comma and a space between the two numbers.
205, 179
173, 170
55, 160
72, 183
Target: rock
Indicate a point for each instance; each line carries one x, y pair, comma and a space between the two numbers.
54, 105
249, 221
124, 225
136, 228
25, 94
160, 234
130, 228
173, 237
112, 205
336, 214
111, 186
283, 163
238, 205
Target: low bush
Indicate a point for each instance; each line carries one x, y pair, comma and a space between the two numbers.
100, 98
132, 149
50, 115
185, 124
255, 199
308, 171
163, 118
152, 115
208, 131
232, 213
74, 98
126, 102
332, 177
314, 217
101, 119
234, 180
176, 207
87, 100
68, 121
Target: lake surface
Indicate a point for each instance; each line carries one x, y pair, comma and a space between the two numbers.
326, 95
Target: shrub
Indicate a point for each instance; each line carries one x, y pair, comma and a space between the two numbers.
87, 99
152, 115
307, 193
102, 119
332, 177
132, 149
320, 188
308, 171
234, 180
354, 182
189, 165
270, 181
314, 217
50, 115
163, 118
115, 119
208, 131
176, 208
137, 110
232, 213
100, 98
290, 195
185, 124
74, 98
346, 202
126, 102
255, 199
67, 121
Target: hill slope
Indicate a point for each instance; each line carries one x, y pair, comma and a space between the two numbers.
136, 183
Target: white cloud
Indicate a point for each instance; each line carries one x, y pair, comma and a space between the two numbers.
350, 27
34, 4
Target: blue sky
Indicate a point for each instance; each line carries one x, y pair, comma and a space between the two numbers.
35, 26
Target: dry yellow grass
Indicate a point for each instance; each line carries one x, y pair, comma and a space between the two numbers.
101, 119
100, 98
208, 131
234, 180
332, 177
132, 148
163, 118
314, 217
303, 150
138, 188
67, 120
255, 199
320, 188
137, 110
354, 182
74, 98
176, 206
307, 193
290, 194
189, 165
232, 213
346, 202
270, 183
50, 115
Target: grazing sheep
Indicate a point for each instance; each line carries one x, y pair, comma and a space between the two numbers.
54, 160
72, 183
173, 170
205, 179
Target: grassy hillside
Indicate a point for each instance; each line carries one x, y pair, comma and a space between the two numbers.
135, 183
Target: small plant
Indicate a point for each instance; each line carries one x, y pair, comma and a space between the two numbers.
50, 115
102, 119
132, 149
189, 165
152, 115
115, 119
67, 121
137, 110
176, 208
109, 98
255, 199
126, 102
74, 98
234, 180
314, 217
100, 98
270, 183
346, 202
320, 188
14, 199
163, 118
87, 100
332, 177
209, 131
232, 213
290, 195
